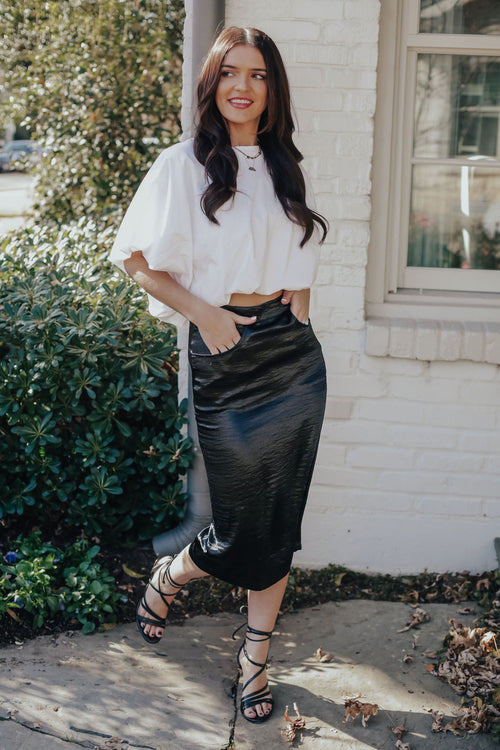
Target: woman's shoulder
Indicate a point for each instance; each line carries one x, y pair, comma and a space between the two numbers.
181, 153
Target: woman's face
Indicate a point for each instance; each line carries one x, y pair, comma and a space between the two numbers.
241, 95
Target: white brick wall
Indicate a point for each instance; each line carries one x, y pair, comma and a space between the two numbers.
408, 471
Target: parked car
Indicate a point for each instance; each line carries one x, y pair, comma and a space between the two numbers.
19, 156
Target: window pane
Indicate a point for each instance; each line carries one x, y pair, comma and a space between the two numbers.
457, 108
460, 16
455, 217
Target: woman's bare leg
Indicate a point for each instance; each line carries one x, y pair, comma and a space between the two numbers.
263, 608
182, 570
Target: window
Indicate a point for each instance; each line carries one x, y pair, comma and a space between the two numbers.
435, 246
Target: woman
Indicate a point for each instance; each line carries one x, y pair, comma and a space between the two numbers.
220, 233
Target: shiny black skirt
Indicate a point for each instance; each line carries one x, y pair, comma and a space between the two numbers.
259, 409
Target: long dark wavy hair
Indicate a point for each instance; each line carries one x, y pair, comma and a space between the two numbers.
212, 146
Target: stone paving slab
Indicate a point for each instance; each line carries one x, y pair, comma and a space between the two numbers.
112, 691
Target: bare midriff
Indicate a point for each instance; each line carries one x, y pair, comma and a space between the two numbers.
249, 300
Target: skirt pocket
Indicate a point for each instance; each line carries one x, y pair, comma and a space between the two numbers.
198, 348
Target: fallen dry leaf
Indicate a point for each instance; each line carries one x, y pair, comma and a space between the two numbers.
416, 619
400, 731
293, 725
322, 656
13, 615
407, 658
131, 573
354, 707
403, 745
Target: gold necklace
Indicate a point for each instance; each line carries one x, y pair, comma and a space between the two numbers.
250, 158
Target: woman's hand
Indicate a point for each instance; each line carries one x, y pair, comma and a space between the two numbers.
299, 303
219, 331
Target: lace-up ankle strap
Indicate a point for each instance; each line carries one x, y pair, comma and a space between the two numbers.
264, 635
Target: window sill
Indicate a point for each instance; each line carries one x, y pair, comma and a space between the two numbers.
433, 340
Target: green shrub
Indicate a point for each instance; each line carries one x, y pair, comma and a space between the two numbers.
90, 427
44, 581
98, 83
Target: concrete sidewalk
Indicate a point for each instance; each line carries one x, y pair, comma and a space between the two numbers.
112, 691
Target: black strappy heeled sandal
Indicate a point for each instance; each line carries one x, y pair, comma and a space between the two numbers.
162, 565
258, 696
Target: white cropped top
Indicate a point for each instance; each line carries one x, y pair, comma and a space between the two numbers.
255, 247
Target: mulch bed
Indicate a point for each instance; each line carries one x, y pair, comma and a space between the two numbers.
130, 567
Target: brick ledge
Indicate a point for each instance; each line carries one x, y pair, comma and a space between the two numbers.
433, 340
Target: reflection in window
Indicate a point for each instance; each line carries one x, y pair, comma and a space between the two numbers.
455, 217
460, 16
455, 198
457, 108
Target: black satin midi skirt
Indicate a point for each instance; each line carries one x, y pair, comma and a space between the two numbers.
259, 409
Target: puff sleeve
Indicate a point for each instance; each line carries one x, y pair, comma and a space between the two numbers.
158, 224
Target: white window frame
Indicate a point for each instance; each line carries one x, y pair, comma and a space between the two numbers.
394, 290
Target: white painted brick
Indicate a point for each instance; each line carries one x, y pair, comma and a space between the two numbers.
480, 442
362, 386
391, 367
346, 187
390, 410
360, 101
432, 506
307, 98
419, 389
373, 457
241, 13
474, 342
492, 347
325, 275
415, 482
338, 408
342, 297
350, 31
342, 362
330, 455
282, 29
305, 76
354, 256
342, 122
348, 320
350, 78
357, 432
358, 478
463, 370
482, 485
321, 54
323, 9
350, 207
439, 460
480, 393
377, 502
341, 166
365, 56
492, 509
368, 10
427, 341
460, 415
354, 233
413, 436
401, 339
450, 340
491, 464
377, 340
347, 276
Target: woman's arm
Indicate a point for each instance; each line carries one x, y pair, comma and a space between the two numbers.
216, 325
299, 303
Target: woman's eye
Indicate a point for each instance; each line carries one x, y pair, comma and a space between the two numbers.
260, 77
226, 74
